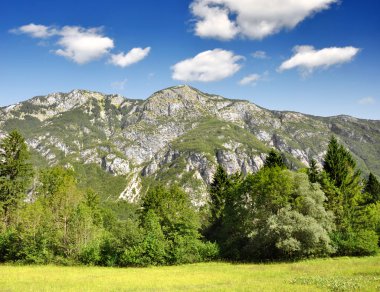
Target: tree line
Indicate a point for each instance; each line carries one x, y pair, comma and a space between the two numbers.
274, 214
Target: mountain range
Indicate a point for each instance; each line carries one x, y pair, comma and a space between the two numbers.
120, 147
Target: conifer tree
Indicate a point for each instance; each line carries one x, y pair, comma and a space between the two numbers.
372, 188
313, 171
218, 188
274, 159
341, 182
339, 164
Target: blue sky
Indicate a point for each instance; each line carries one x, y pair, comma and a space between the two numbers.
319, 57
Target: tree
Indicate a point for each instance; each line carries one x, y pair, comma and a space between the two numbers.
339, 165
276, 213
73, 223
218, 189
173, 209
313, 171
341, 182
15, 172
372, 188
274, 159
179, 224
354, 216
153, 246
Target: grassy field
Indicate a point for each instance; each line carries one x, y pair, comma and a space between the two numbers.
340, 274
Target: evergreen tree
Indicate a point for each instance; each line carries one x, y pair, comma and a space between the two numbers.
372, 188
342, 181
15, 172
339, 164
342, 185
221, 188
274, 159
218, 190
313, 171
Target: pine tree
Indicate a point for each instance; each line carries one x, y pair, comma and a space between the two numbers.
274, 159
313, 171
218, 187
339, 164
15, 172
341, 182
372, 188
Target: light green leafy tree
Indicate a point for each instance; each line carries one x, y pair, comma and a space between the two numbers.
15, 174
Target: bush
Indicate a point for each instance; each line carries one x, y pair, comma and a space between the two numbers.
208, 251
90, 254
356, 243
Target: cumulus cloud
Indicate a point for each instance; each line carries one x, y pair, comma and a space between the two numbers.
133, 56
367, 100
213, 21
82, 45
35, 30
212, 65
255, 19
250, 79
260, 55
307, 58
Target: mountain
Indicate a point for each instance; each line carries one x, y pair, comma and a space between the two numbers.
120, 147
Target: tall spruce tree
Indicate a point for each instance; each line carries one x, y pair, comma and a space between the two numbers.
339, 164
372, 188
342, 182
218, 188
313, 171
274, 159
15, 172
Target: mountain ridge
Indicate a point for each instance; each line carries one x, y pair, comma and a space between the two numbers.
178, 135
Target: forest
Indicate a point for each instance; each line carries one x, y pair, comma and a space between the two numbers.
274, 214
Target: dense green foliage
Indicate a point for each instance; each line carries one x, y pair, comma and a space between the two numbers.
61, 222
15, 174
356, 217
273, 214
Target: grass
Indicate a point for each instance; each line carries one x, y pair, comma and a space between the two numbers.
339, 274
211, 134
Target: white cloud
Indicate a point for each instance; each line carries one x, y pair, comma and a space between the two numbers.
119, 84
255, 19
35, 30
133, 56
260, 55
213, 21
212, 65
307, 59
250, 79
83, 45
367, 100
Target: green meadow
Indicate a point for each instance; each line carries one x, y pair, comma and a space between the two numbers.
331, 274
